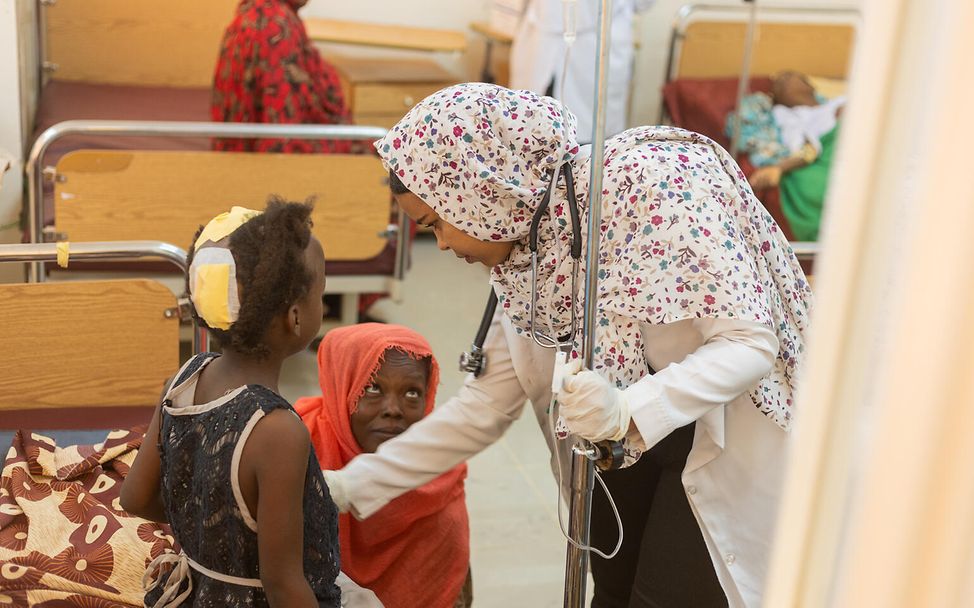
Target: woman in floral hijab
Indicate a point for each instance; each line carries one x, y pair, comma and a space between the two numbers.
695, 282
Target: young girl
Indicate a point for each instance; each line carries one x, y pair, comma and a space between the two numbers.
377, 380
226, 460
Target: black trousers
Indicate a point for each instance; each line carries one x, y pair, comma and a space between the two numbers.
663, 562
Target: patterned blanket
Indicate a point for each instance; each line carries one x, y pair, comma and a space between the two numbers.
64, 538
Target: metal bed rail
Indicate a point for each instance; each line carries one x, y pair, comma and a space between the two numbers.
805, 250
688, 12
120, 128
118, 251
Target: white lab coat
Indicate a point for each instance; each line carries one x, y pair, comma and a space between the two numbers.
538, 51
734, 470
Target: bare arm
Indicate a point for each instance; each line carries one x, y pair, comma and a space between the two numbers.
770, 177
277, 455
140, 495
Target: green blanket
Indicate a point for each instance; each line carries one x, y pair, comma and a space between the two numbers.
803, 191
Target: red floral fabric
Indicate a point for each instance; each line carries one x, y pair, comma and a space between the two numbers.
269, 72
64, 538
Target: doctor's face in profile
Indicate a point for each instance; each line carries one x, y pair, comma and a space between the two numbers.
449, 238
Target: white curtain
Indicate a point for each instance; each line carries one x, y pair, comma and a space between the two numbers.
879, 507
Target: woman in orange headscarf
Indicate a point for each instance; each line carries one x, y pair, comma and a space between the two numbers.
377, 380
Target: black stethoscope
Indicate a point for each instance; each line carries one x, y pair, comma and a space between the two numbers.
475, 361
607, 455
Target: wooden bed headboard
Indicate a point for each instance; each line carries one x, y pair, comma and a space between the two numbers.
104, 195
87, 344
708, 42
171, 43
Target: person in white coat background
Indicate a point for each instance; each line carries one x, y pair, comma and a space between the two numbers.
538, 51
696, 282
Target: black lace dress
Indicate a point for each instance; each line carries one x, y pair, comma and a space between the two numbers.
200, 447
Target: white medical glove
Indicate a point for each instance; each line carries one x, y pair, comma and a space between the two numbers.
354, 596
336, 486
591, 407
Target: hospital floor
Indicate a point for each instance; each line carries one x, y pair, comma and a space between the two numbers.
517, 552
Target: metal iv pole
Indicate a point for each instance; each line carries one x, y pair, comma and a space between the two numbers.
583, 469
745, 78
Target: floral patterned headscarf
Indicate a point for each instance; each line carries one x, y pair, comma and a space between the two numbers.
682, 234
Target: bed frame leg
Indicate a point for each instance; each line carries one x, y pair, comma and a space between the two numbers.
349, 308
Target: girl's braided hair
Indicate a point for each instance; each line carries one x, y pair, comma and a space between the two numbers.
271, 274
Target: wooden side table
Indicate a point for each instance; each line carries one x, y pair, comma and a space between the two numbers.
380, 91
385, 36
496, 67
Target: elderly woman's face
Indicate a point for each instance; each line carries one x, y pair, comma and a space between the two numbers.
450, 238
394, 400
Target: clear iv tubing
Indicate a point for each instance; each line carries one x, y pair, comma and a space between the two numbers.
598, 476
569, 35
558, 377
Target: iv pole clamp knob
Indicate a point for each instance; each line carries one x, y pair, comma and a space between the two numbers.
607, 455
612, 455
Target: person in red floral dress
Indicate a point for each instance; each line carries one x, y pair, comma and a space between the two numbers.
269, 72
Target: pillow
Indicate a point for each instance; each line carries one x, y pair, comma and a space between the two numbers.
829, 88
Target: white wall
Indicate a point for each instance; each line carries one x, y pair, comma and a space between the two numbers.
11, 136
448, 14
442, 14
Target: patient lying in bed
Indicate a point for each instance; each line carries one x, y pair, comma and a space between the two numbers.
790, 136
376, 381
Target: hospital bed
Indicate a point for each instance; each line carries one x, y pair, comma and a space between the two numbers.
110, 59
88, 354
706, 54
138, 75
111, 195
114, 60
83, 363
